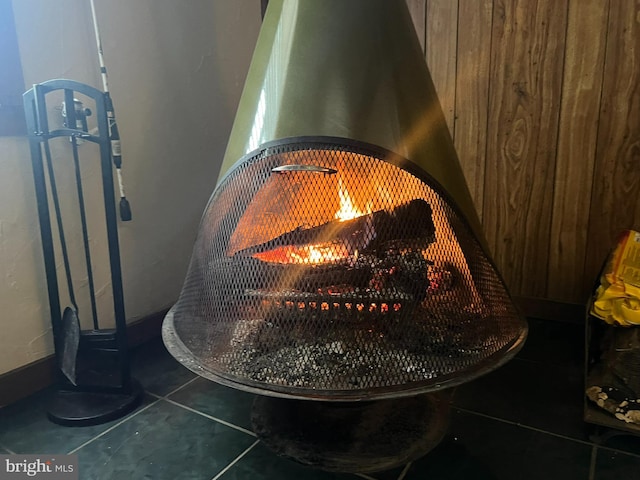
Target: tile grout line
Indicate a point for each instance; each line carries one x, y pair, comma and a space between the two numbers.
112, 427
176, 389
362, 475
210, 417
404, 472
528, 427
130, 416
10, 452
238, 458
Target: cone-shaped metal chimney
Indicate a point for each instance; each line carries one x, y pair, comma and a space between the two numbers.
351, 69
340, 256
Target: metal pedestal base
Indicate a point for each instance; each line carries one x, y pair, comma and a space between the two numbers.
354, 437
80, 409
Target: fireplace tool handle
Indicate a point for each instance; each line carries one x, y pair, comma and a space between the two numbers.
114, 135
304, 168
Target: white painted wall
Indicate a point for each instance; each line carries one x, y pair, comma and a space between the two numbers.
176, 71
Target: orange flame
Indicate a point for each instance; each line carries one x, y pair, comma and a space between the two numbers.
347, 210
322, 252
304, 254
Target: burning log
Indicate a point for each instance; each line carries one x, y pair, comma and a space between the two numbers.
411, 220
371, 252
406, 272
340, 242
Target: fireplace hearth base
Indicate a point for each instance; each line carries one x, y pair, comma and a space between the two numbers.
352, 437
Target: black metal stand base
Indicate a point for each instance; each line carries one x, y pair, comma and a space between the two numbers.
81, 409
352, 437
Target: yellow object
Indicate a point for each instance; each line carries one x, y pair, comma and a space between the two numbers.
617, 299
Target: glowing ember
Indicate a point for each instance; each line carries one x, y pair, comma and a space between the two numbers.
305, 254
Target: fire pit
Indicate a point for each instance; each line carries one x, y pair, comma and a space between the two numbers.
337, 277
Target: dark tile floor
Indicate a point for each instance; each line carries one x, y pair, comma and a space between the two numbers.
523, 421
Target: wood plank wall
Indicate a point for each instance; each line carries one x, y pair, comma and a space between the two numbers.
542, 98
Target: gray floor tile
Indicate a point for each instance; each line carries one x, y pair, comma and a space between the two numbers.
535, 394
261, 464
162, 442
479, 448
24, 428
156, 370
617, 440
228, 404
612, 465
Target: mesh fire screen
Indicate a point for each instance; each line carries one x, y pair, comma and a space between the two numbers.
328, 270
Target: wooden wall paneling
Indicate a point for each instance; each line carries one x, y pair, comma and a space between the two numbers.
615, 203
472, 92
417, 9
441, 39
577, 132
526, 81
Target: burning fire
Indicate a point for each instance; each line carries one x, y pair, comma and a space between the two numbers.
321, 252
347, 210
304, 254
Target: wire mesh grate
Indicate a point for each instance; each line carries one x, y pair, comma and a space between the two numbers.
359, 281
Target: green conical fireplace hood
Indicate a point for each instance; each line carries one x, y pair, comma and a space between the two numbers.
332, 261
351, 69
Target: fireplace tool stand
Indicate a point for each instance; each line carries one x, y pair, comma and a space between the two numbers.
94, 381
